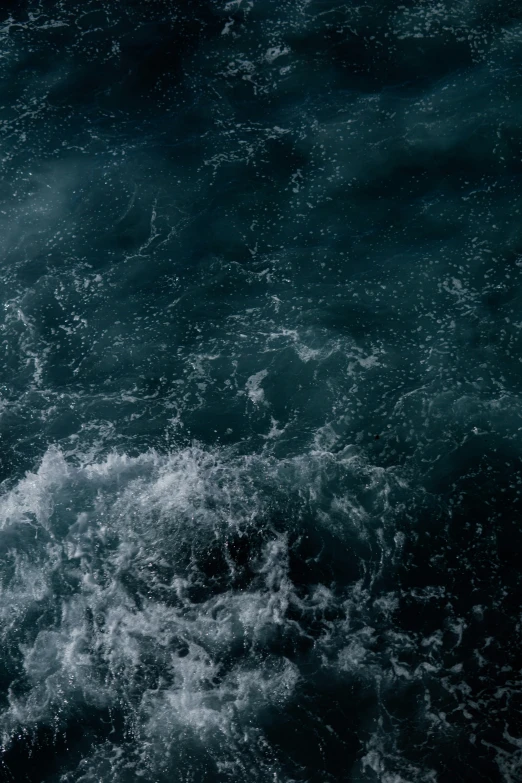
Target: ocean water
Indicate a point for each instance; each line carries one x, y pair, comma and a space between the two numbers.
260, 391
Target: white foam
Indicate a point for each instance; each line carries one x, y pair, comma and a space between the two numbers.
129, 537
31, 501
254, 388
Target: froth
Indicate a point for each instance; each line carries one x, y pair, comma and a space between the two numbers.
162, 591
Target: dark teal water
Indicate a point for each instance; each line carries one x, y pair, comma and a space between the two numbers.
260, 391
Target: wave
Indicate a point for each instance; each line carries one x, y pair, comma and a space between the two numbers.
187, 593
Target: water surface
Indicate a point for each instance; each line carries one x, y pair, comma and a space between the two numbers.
260, 391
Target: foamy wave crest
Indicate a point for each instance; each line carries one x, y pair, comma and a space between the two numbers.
157, 594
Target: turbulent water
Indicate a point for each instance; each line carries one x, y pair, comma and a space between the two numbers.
260, 391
